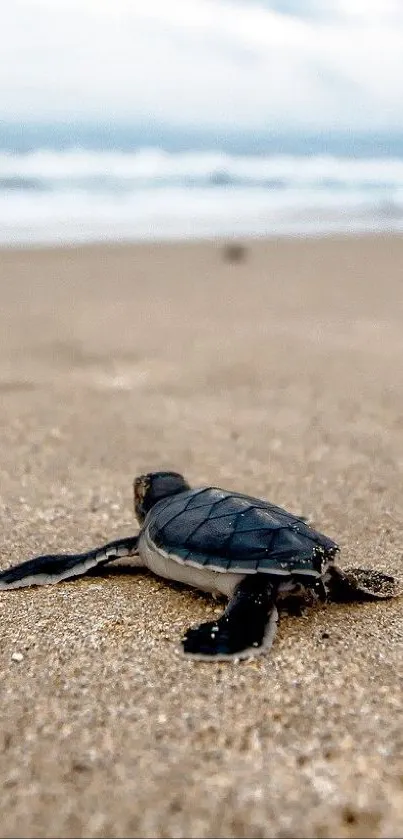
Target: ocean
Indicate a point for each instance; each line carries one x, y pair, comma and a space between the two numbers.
66, 184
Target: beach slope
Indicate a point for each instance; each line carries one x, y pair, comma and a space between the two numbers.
279, 375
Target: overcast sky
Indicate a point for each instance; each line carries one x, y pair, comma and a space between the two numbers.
243, 63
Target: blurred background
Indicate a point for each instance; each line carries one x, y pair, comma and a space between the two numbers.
125, 120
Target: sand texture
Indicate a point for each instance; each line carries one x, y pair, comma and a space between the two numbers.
280, 375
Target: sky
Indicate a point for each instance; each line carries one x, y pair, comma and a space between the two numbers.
207, 63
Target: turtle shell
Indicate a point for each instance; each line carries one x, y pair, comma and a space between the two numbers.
234, 533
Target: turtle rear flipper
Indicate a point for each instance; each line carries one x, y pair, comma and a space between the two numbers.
43, 570
246, 628
359, 584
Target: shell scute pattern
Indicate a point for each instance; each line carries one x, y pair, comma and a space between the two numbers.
206, 497
168, 509
232, 532
253, 520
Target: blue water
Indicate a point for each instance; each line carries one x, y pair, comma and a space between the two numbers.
71, 183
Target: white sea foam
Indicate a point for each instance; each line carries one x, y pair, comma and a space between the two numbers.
154, 165
80, 195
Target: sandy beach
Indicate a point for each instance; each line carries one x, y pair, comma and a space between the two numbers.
280, 376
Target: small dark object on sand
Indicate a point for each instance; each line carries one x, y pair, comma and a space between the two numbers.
235, 252
226, 543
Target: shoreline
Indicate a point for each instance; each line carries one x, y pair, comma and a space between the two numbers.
219, 239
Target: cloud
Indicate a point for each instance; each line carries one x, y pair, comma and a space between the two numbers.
205, 62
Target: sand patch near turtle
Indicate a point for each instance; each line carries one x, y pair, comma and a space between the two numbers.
279, 376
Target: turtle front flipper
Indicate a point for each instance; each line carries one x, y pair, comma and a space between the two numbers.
43, 570
246, 628
359, 584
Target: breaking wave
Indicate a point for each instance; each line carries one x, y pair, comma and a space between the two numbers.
45, 169
81, 195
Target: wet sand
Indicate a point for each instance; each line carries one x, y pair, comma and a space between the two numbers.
280, 375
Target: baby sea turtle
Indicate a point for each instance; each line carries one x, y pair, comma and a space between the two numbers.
225, 543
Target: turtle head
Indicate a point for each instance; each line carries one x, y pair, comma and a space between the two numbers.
148, 489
